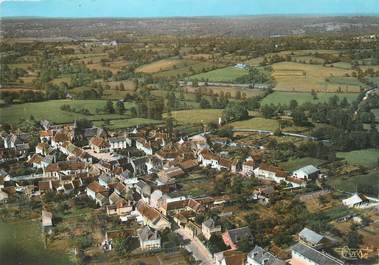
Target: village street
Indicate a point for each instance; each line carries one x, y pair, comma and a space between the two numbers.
197, 248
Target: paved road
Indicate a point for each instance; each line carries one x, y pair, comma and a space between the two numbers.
198, 250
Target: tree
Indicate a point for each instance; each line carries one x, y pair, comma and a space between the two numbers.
120, 107
235, 111
299, 118
109, 107
293, 104
204, 104
169, 124
354, 239
216, 244
122, 245
314, 94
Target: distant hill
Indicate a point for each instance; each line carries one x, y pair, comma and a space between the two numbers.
253, 26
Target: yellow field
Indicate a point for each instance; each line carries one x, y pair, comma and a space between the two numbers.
291, 76
197, 115
257, 124
157, 66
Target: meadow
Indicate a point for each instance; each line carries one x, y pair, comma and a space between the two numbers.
366, 157
296, 163
292, 76
227, 74
257, 124
284, 98
51, 111
197, 115
125, 123
21, 243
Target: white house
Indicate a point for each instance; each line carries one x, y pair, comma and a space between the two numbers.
259, 256
116, 143
357, 200
270, 172
149, 240
307, 172
306, 255
145, 146
209, 227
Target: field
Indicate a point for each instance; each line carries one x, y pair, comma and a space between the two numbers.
51, 110
279, 97
367, 183
125, 123
365, 157
187, 68
227, 74
22, 244
197, 115
291, 76
257, 124
157, 66
297, 163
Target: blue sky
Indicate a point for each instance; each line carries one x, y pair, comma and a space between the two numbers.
164, 8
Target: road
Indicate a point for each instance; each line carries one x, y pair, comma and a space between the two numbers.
197, 249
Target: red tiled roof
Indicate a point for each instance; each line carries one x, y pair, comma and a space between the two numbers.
96, 187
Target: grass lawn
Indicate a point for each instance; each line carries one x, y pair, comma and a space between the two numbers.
125, 123
367, 183
197, 115
294, 164
22, 244
279, 97
51, 110
257, 124
365, 157
227, 74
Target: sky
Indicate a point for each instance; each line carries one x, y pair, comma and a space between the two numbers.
170, 8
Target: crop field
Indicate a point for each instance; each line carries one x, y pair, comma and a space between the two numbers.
297, 163
197, 115
365, 157
279, 97
51, 110
22, 244
227, 74
125, 123
158, 66
291, 76
257, 124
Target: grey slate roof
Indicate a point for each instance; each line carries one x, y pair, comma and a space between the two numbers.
263, 257
239, 234
309, 170
310, 236
317, 257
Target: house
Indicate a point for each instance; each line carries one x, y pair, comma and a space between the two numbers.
188, 164
234, 236
306, 255
65, 168
143, 189
357, 200
3, 196
152, 217
270, 172
306, 173
116, 143
105, 180
153, 164
248, 167
145, 146
259, 256
59, 138
207, 158
169, 175
199, 141
310, 238
209, 227
119, 207
42, 148
230, 257
93, 189
149, 239
98, 144
155, 197
47, 221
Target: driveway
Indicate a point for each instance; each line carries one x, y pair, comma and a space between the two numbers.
198, 250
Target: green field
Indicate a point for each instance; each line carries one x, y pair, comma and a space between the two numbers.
227, 74
365, 157
368, 183
51, 111
197, 115
22, 244
279, 97
125, 123
257, 124
297, 163
347, 81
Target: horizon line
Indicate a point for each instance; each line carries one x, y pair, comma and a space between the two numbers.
348, 14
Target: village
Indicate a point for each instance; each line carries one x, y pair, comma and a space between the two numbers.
148, 190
